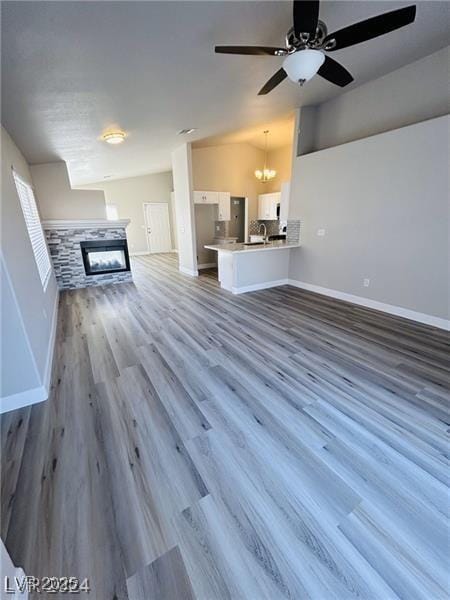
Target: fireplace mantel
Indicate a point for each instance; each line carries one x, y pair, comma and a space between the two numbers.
85, 224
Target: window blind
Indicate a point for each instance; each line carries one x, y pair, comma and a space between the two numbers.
34, 227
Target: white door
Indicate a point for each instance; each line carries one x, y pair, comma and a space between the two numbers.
158, 227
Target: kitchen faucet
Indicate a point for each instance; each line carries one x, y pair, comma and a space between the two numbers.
265, 231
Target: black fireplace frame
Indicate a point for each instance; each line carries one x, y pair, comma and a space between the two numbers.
104, 246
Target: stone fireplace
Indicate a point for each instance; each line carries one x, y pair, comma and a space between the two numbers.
88, 253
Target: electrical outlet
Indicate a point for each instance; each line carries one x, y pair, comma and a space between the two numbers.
366, 282
321, 232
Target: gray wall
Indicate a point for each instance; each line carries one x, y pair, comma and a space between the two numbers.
383, 202
205, 222
35, 305
58, 200
411, 94
18, 371
129, 195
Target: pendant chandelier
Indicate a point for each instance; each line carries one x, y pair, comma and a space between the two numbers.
266, 174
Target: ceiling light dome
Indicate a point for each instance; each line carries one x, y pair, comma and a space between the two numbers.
303, 65
114, 137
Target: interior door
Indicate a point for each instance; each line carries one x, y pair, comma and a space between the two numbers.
158, 227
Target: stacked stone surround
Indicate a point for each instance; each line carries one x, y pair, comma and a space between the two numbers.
293, 231
65, 252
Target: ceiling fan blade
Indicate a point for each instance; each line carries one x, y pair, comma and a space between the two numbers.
306, 16
371, 28
334, 72
250, 50
273, 82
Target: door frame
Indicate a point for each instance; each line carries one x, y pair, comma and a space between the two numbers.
245, 215
246, 220
144, 208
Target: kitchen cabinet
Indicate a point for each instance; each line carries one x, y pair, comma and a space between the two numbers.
206, 197
222, 199
267, 206
199, 197
224, 212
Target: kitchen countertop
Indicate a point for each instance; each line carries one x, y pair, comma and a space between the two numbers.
235, 248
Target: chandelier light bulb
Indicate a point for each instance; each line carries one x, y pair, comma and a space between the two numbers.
265, 174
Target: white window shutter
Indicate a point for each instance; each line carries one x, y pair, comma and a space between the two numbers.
34, 227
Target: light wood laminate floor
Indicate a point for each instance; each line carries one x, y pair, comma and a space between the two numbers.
196, 444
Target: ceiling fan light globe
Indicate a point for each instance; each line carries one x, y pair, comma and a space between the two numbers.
303, 65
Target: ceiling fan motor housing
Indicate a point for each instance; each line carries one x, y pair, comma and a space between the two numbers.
305, 40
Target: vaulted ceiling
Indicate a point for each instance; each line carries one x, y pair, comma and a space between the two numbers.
70, 70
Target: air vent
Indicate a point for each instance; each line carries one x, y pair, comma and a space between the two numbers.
186, 131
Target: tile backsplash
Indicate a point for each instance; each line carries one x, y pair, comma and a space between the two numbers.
293, 231
272, 227
221, 228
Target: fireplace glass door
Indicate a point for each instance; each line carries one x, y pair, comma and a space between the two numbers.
106, 260
106, 256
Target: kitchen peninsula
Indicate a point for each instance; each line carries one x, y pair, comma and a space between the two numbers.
249, 267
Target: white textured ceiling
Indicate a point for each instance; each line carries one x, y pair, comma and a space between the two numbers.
281, 133
70, 70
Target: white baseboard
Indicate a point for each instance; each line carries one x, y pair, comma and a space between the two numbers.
22, 399
206, 265
147, 253
259, 286
391, 309
51, 346
186, 271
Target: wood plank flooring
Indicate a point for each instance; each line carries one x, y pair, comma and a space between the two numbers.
197, 444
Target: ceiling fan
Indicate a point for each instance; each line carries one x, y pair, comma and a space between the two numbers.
308, 39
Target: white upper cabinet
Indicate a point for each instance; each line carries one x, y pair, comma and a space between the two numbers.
212, 197
206, 197
224, 213
267, 206
222, 199
199, 197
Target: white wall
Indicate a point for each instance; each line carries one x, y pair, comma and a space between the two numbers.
184, 209
384, 204
229, 168
129, 196
413, 93
279, 159
35, 306
57, 199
